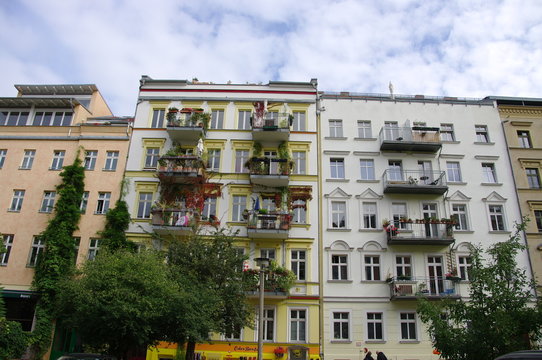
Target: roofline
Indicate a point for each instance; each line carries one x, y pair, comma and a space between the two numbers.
404, 98
516, 100
145, 80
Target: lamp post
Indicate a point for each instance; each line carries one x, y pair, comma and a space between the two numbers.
263, 263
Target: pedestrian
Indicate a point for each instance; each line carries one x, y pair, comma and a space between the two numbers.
380, 355
368, 355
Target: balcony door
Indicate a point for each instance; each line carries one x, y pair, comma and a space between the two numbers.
429, 211
273, 166
435, 271
391, 131
395, 170
425, 169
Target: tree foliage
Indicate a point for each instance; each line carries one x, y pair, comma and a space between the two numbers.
13, 340
117, 221
502, 314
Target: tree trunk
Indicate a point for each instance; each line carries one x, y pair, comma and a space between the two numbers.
190, 347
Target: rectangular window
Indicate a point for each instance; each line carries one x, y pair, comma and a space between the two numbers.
482, 135
13, 118
8, 243
268, 324
298, 325
488, 173
335, 128
367, 168
151, 157
299, 263
299, 208
59, 118
42, 118
3, 153
395, 170
372, 267
158, 118
339, 267
369, 215
17, 201
58, 159
403, 265
209, 209
298, 123
364, 129
496, 216
77, 243
241, 157
244, 120
37, 247
111, 160
408, 326
399, 211
48, 202
213, 162
144, 205
90, 159
453, 171
93, 248
447, 132
391, 131
337, 168
268, 253
28, 159
217, 119
538, 219
524, 139
239, 204
103, 202
341, 325
375, 326
338, 214
84, 202
533, 178
463, 264
459, 213
300, 162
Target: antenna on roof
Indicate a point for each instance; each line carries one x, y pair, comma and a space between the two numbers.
391, 91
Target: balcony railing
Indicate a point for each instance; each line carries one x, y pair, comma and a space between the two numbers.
178, 221
275, 225
180, 169
435, 287
183, 126
416, 138
276, 284
398, 181
269, 171
271, 128
420, 233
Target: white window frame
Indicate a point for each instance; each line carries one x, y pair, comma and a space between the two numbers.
493, 214
369, 209
28, 160
14, 118
464, 262
93, 248
408, 321
524, 139
299, 213
269, 253
213, 162
152, 154
90, 159
381, 321
482, 134
297, 263
210, 207
335, 128
305, 322
144, 205
240, 160
489, 174
17, 200
455, 171
375, 268
8, 244
217, 119
48, 202
403, 266
54, 118
84, 202
341, 321
463, 220
299, 123
533, 174
58, 160
102, 205
243, 119
335, 214
239, 204
367, 169
447, 132
3, 155
267, 320
38, 245
365, 130
111, 160
399, 210
336, 168
300, 162
158, 118
339, 266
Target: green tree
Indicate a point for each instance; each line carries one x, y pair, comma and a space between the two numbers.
13, 340
500, 316
117, 221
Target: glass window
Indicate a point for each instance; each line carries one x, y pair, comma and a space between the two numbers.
408, 326
241, 157
496, 216
369, 215
84, 202
453, 171
459, 213
209, 209
447, 132
533, 178
268, 324
111, 160
243, 122
298, 123
341, 325
28, 159
367, 168
395, 170
488, 173
464, 263
144, 205
403, 265
372, 267
158, 116
364, 129
90, 159
268, 253
217, 119
103, 202
58, 159
93, 248
375, 326
339, 267
13, 118
524, 139
239, 204
77, 243
8, 243
335, 128
337, 168
299, 208
37, 247
399, 211
338, 214
3, 153
391, 131
299, 263
17, 201
481, 134
48, 202
298, 325
151, 157
300, 162
213, 162
538, 219
59, 118
42, 118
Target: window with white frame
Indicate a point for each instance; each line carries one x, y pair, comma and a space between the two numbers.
77, 243
447, 132
538, 219
103, 202
339, 267
341, 325
369, 214
299, 209
93, 248
372, 267
37, 247
335, 128
482, 135
375, 326
298, 325
84, 202
56, 118
298, 124
58, 159
268, 253
367, 167
337, 168
241, 157
453, 171
408, 325
8, 243
213, 162
300, 162
48, 202
464, 262
243, 123
496, 217
268, 324
152, 154
144, 205
239, 204
217, 119
391, 130
17, 200
524, 139
364, 129
299, 263
234, 332
399, 211
403, 265
460, 216
533, 178
488, 173
111, 160
28, 159
90, 159
338, 214
209, 209
3, 154
158, 116
13, 118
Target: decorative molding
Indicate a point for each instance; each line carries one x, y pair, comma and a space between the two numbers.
367, 153
486, 157
523, 110
452, 156
335, 152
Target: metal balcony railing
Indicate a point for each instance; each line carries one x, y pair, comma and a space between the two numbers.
416, 138
420, 232
272, 121
414, 181
432, 286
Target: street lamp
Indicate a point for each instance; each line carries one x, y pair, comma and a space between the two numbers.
263, 263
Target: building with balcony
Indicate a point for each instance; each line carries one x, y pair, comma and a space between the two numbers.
409, 183
42, 129
244, 157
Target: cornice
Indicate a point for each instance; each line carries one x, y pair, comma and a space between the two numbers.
523, 111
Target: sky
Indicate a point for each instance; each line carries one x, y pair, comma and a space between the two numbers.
463, 48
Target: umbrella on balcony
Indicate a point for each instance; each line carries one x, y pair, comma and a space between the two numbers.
256, 204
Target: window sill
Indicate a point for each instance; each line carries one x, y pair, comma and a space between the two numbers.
365, 139
340, 281
335, 138
484, 143
89, 169
99, 213
21, 168
44, 212
491, 184
14, 211
463, 231
499, 232
409, 341
375, 341
149, 169
368, 181
451, 142
109, 170
341, 341
135, 219
339, 230
338, 180
457, 183
371, 230
54, 169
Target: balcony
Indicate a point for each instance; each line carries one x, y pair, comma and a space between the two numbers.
397, 181
270, 128
186, 125
173, 221
184, 169
431, 288
416, 139
269, 172
277, 283
275, 225
421, 232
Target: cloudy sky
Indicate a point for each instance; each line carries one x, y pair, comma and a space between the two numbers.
464, 48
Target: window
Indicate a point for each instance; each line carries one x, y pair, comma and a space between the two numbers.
93, 248
17, 201
3, 153
335, 128
369, 215
338, 214
463, 265
408, 326
447, 132
90, 159
298, 325
341, 325
217, 119
459, 213
8, 243
213, 162
77, 243
241, 157
59, 118
496, 217
268, 253
151, 157
209, 209
300, 162
58, 159
13, 118
103, 202
299, 208
37, 247
111, 160
524, 139
375, 326
403, 265
48, 202
244, 120
144, 205
367, 168
233, 333
298, 123
372, 267
364, 129
339, 267
84, 202
299, 263
239, 204
158, 118
391, 131
488, 173
533, 178
481, 134
453, 172
395, 170
337, 168
538, 219
28, 159
268, 324
399, 211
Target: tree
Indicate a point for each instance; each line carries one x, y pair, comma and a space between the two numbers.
117, 221
13, 340
502, 314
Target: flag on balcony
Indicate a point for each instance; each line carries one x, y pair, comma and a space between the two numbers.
257, 204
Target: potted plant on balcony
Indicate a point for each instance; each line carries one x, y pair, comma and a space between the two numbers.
452, 275
171, 116
404, 277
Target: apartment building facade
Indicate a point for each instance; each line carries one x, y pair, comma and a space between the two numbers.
409, 184
247, 154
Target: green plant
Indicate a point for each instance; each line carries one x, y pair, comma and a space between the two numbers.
257, 149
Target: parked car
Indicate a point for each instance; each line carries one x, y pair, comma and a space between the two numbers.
523, 354
86, 356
